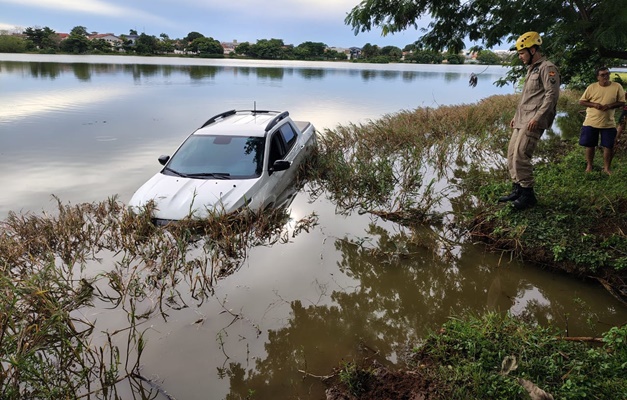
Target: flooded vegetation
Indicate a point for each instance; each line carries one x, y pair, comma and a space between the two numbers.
420, 169
374, 279
45, 289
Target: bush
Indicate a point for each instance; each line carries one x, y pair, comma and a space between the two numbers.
12, 44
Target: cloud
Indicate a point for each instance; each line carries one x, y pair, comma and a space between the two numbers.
10, 27
295, 9
96, 7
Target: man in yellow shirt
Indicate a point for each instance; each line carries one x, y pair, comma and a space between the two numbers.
601, 99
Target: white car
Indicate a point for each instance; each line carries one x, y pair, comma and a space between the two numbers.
236, 159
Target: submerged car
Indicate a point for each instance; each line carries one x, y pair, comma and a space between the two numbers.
237, 159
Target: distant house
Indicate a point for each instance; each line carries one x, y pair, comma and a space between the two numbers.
110, 38
343, 50
229, 47
355, 52
113, 41
132, 38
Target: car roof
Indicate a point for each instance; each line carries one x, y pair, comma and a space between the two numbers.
238, 123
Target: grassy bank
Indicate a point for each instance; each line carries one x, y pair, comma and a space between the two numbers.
495, 357
446, 167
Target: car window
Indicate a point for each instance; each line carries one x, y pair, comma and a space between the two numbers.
289, 136
277, 151
238, 156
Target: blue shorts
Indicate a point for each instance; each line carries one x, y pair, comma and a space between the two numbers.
589, 137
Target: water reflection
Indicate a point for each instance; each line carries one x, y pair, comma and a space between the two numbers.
404, 291
270, 73
32, 104
312, 73
450, 77
197, 73
84, 71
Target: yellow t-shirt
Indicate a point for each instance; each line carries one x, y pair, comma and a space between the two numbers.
596, 93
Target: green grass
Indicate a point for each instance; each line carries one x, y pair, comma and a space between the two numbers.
466, 359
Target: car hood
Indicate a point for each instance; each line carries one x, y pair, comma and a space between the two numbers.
178, 197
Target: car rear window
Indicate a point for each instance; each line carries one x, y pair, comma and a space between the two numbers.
289, 136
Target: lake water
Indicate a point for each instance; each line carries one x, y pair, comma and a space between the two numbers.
86, 128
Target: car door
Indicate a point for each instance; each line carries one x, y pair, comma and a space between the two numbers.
281, 144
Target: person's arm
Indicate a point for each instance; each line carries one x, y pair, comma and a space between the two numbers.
620, 99
586, 103
584, 100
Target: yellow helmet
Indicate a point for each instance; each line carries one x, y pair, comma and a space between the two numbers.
528, 40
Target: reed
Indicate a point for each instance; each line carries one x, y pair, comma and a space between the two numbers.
52, 268
446, 167
401, 166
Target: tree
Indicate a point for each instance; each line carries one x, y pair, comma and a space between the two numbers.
576, 33
454, 58
270, 49
41, 38
101, 45
12, 44
369, 51
166, 45
79, 31
243, 49
127, 44
147, 44
392, 52
331, 54
193, 35
310, 51
77, 42
206, 46
488, 57
425, 57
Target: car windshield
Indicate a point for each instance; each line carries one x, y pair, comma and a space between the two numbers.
218, 157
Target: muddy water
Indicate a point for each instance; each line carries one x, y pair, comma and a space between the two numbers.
350, 288
353, 286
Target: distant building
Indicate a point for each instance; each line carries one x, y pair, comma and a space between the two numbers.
229, 47
354, 53
110, 38
347, 52
132, 38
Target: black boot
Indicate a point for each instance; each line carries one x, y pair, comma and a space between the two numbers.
527, 199
513, 195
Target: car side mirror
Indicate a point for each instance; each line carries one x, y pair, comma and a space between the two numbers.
280, 165
163, 159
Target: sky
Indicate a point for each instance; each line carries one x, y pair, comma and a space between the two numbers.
293, 21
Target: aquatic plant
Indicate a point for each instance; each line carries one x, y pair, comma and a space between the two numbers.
55, 266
